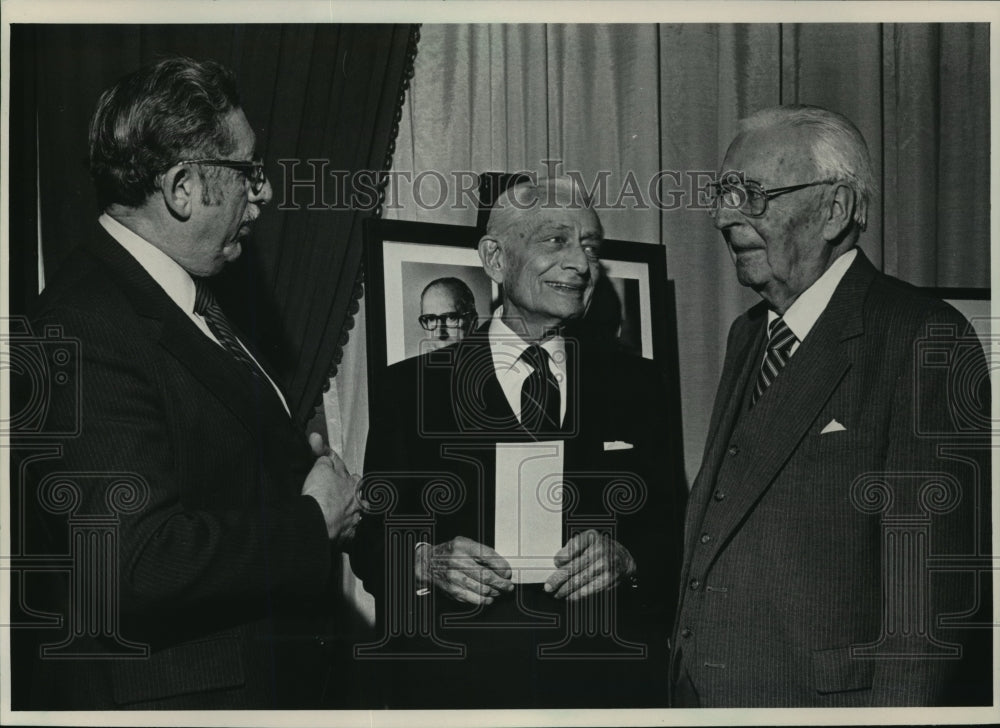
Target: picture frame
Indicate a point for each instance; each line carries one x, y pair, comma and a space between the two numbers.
629, 307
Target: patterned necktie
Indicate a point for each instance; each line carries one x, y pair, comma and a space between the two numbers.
779, 348
539, 393
206, 305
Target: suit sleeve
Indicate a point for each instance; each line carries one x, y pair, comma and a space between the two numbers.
938, 460
654, 533
385, 454
267, 540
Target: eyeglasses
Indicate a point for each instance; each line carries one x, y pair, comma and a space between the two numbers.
253, 171
747, 195
451, 319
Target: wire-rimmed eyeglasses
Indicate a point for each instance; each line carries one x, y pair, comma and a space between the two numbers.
746, 195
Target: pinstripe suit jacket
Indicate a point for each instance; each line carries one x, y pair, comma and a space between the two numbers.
792, 534
220, 563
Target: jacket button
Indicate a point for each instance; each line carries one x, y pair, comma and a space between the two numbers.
734, 450
719, 495
705, 538
686, 633
694, 584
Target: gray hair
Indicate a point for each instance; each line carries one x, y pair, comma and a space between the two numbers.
509, 210
155, 117
840, 150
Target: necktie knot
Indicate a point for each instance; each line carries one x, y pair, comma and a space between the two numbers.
540, 405
536, 357
780, 337
780, 341
203, 297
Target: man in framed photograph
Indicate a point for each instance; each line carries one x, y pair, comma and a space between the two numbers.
447, 311
525, 503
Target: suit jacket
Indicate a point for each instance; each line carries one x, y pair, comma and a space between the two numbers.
219, 558
434, 429
808, 577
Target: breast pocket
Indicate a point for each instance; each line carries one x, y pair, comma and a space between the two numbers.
839, 443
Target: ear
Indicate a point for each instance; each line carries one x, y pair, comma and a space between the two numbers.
491, 255
840, 213
179, 187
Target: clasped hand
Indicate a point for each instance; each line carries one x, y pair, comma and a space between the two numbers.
468, 571
336, 491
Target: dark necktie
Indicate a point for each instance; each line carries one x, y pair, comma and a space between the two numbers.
539, 393
779, 347
206, 305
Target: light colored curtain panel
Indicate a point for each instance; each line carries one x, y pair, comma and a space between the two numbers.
937, 168
839, 67
711, 76
638, 99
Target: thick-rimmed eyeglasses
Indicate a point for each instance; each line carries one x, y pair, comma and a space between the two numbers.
253, 171
748, 196
451, 319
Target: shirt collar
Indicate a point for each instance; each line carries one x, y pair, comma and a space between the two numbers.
508, 346
802, 315
174, 280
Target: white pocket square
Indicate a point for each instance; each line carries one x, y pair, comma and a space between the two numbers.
617, 445
832, 426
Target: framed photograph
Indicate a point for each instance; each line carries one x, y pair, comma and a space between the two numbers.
406, 259
417, 273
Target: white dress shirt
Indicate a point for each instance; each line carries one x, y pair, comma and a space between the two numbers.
174, 280
507, 347
802, 315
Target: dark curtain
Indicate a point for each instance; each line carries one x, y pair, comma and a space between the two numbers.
320, 92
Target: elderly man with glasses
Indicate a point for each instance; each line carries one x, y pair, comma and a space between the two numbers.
846, 477
227, 535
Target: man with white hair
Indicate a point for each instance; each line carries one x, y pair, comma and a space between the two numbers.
846, 474
545, 563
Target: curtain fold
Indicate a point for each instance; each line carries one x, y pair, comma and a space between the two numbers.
640, 99
325, 92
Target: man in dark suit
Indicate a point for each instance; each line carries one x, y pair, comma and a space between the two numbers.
843, 501
226, 517
529, 504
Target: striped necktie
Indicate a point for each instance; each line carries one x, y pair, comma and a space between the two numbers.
205, 305
779, 351
539, 393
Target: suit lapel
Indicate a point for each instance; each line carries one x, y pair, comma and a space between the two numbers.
480, 404
206, 362
741, 363
797, 395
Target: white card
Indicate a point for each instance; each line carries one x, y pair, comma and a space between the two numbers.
528, 513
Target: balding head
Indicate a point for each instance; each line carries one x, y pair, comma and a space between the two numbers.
542, 245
